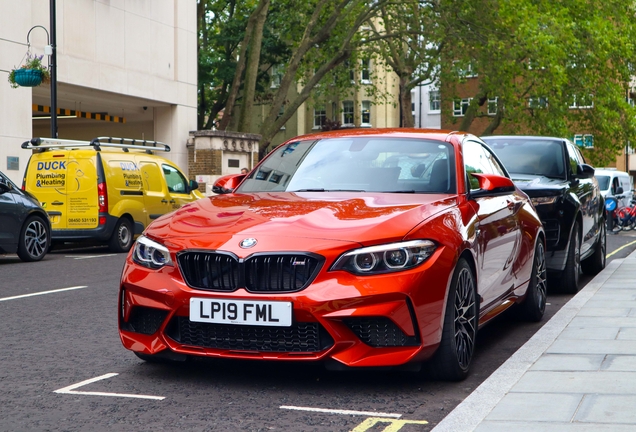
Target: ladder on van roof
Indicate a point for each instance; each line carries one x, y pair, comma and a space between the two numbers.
44, 144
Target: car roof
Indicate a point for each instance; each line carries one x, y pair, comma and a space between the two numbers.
525, 137
435, 134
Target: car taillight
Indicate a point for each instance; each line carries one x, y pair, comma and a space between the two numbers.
102, 197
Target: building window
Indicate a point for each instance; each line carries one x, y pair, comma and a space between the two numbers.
281, 111
584, 140
366, 113
434, 101
320, 115
582, 102
347, 113
460, 107
277, 76
492, 106
465, 70
365, 71
537, 102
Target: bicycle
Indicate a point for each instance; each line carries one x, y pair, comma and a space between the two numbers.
626, 217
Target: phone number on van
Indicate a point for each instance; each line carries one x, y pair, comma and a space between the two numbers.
82, 220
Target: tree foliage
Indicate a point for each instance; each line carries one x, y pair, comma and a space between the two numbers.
556, 67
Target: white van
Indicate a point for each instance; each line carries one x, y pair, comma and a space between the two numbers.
610, 179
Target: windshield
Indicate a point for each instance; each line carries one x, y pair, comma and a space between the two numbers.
603, 182
533, 157
361, 164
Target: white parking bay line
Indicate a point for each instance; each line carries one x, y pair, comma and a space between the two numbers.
71, 389
78, 257
42, 293
344, 412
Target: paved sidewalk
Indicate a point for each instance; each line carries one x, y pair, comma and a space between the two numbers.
576, 374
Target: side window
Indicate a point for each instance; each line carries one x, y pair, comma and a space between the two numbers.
573, 158
174, 179
478, 160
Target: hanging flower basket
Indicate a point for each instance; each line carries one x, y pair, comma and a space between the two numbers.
32, 73
28, 77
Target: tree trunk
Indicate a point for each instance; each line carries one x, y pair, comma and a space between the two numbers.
240, 66
253, 63
405, 103
494, 124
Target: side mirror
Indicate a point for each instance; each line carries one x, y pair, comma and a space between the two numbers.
227, 184
492, 185
193, 185
584, 171
619, 190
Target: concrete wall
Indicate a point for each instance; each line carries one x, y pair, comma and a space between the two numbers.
113, 56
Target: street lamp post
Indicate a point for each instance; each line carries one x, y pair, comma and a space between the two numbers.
53, 65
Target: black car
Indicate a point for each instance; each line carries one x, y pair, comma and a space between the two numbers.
25, 227
562, 187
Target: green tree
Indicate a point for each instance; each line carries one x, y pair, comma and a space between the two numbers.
555, 66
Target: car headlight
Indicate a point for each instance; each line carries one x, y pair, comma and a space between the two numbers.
387, 258
150, 254
536, 201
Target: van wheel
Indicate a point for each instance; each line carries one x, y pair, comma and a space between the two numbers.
34, 240
122, 238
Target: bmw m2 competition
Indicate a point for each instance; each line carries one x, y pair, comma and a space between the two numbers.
359, 248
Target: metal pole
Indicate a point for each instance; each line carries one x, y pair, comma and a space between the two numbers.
53, 72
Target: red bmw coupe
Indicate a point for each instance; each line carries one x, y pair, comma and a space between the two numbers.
360, 248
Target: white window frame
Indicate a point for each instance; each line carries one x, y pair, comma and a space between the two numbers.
346, 104
277, 76
362, 110
365, 68
460, 110
491, 102
318, 114
542, 102
575, 105
434, 100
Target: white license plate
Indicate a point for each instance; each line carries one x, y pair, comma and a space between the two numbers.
241, 312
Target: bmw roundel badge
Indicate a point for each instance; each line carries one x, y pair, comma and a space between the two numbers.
248, 243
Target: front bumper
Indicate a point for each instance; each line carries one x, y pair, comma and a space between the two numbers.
383, 320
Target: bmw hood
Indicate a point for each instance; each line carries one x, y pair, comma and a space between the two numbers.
340, 216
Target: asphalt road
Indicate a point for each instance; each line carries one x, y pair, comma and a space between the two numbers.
62, 366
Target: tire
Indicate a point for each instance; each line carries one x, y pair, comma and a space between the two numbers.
596, 262
34, 239
533, 307
572, 271
451, 361
122, 238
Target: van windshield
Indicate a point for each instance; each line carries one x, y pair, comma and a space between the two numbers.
603, 182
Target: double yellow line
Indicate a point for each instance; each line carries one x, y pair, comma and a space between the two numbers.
620, 248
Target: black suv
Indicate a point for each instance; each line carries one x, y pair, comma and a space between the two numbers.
563, 189
25, 227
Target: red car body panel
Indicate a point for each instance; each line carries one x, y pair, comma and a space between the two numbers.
330, 224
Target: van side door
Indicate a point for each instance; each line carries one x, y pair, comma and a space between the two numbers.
156, 198
178, 186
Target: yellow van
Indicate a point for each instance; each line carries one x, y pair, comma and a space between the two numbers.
105, 190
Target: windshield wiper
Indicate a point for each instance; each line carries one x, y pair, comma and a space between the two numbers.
309, 190
400, 191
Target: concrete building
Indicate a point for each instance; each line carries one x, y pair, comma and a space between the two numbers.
427, 106
124, 69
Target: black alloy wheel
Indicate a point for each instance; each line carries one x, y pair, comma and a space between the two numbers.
34, 240
453, 357
533, 307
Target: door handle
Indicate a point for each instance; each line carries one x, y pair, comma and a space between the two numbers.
172, 201
164, 201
